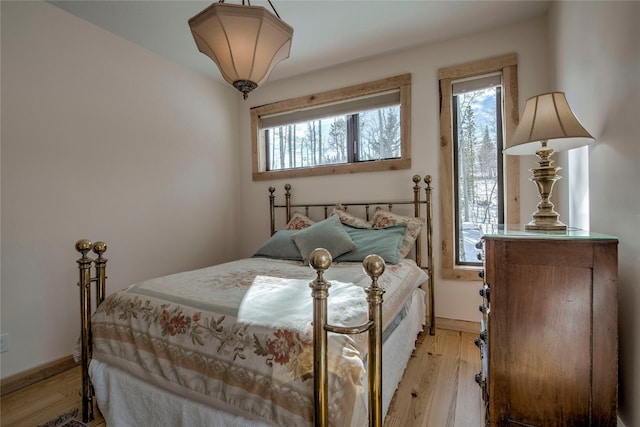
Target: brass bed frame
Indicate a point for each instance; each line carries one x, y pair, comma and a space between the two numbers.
320, 260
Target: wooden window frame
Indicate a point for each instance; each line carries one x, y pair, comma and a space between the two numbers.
507, 65
401, 83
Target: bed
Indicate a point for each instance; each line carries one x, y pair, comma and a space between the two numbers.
267, 341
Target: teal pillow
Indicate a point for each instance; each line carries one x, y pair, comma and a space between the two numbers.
384, 242
280, 246
328, 234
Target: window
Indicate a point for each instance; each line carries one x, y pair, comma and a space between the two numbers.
480, 189
361, 128
477, 119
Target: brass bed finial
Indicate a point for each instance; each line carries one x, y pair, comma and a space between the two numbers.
374, 266
83, 246
320, 260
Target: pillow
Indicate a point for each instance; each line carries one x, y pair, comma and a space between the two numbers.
384, 242
382, 218
280, 246
298, 222
328, 234
347, 218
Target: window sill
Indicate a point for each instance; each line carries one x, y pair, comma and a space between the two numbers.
372, 166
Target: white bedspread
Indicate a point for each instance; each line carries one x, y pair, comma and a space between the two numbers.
238, 336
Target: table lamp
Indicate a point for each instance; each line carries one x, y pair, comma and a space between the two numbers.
547, 125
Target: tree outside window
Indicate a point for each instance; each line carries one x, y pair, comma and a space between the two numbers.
359, 137
478, 140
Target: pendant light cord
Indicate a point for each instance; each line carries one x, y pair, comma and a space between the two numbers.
249, 4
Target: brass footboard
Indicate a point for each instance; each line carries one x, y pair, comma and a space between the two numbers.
84, 266
320, 260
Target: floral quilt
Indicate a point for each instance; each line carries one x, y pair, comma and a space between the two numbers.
238, 335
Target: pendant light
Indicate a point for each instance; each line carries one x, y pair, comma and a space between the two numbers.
245, 41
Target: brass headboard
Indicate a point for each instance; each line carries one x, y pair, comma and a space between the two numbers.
417, 203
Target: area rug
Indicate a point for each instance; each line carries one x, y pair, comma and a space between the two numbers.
65, 420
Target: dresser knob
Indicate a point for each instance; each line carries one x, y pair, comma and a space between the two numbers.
478, 378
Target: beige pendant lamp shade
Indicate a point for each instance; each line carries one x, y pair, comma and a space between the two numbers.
245, 41
547, 125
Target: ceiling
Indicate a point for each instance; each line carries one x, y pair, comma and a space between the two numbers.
326, 32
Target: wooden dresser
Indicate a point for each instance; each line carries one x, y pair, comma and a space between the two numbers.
549, 341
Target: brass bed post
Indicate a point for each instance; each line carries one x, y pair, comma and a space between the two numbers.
432, 314
100, 248
429, 268
320, 260
84, 267
287, 197
416, 213
374, 267
272, 211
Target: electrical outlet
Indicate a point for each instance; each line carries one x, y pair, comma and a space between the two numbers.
4, 343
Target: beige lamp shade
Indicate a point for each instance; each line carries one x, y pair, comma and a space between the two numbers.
547, 117
547, 125
246, 42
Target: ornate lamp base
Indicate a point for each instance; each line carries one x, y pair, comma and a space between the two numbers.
245, 86
545, 218
545, 224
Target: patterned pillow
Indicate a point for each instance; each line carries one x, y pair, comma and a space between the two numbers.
347, 218
383, 218
298, 222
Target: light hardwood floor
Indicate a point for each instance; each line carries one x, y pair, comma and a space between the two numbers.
437, 390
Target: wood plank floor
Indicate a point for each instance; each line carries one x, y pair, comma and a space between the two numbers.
437, 390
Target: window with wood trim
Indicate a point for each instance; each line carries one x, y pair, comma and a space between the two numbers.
479, 185
360, 128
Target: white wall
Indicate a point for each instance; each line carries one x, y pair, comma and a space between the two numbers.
102, 140
597, 62
455, 300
